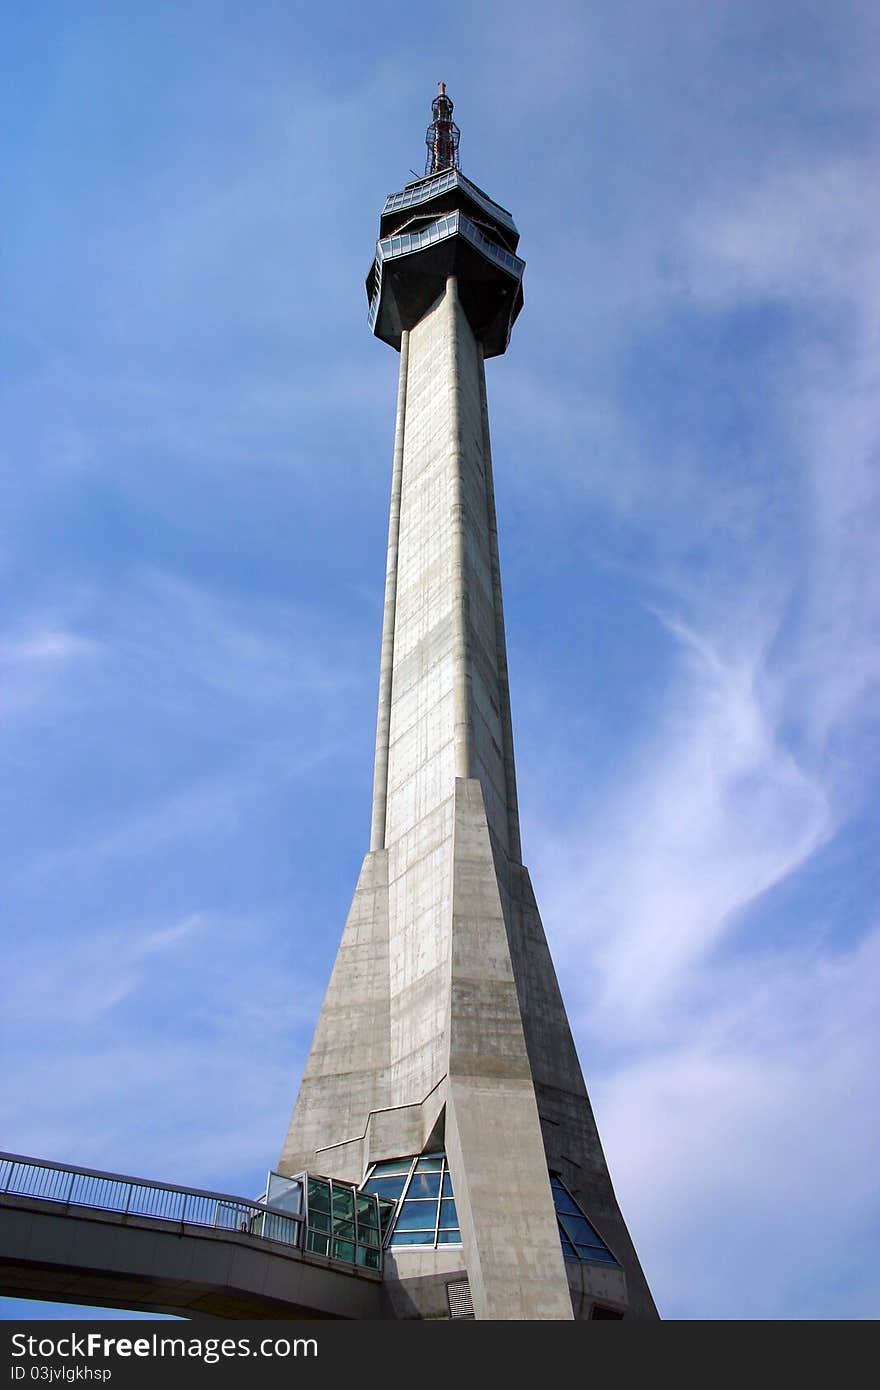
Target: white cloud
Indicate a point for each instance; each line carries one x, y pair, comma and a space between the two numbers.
167, 938
722, 1140
48, 645
807, 238
737, 1084
717, 812
162, 1038
805, 234
39, 661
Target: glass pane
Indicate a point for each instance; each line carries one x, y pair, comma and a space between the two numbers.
568, 1250
389, 1166
596, 1252
386, 1187
565, 1203
343, 1202
417, 1216
448, 1214
447, 1185
367, 1210
317, 1243
343, 1250
424, 1185
319, 1194
319, 1220
344, 1229
284, 1192
580, 1232
412, 1238
430, 1163
449, 1238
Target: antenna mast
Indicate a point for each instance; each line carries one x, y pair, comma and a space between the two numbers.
442, 135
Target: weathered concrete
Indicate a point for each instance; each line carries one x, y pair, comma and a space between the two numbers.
493, 1133
443, 1016
386, 662
571, 1138
345, 1078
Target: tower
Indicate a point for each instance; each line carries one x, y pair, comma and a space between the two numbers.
442, 1070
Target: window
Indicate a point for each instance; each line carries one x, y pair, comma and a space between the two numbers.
344, 1223
421, 1185
580, 1239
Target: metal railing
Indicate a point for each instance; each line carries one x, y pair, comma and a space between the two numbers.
449, 225
87, 1187
429, 188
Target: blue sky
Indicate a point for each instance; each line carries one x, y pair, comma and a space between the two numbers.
195, 471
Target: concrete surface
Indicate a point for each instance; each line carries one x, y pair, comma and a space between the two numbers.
106, 1259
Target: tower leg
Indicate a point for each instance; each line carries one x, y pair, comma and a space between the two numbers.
493, 1131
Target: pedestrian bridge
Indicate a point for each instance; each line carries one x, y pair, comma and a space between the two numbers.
79, 1235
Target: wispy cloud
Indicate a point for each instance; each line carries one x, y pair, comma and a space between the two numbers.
191, 1017
717, 812
37, 664
807, 238
180, 669
47, 645
166, 938
720, 1147
723, 1015
197, 714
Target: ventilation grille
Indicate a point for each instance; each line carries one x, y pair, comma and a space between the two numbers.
461, 1305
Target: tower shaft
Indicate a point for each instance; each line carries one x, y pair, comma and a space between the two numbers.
444, 705
425, 960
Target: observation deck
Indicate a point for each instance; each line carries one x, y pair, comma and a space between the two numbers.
438, 226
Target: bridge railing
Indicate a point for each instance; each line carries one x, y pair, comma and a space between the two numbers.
87, 1187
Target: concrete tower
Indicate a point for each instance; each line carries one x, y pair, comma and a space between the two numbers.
442, 1071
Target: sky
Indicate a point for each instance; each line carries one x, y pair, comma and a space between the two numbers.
196, 454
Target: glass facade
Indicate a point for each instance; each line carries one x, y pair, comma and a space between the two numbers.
514, 264
418, 240
345, 1224
421, 192
430, 188
416, 1192
446, 226
580, 1239
420, 1185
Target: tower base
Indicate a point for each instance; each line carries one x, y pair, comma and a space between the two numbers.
507, 1105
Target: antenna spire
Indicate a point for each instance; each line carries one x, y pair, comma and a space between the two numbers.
442, 135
